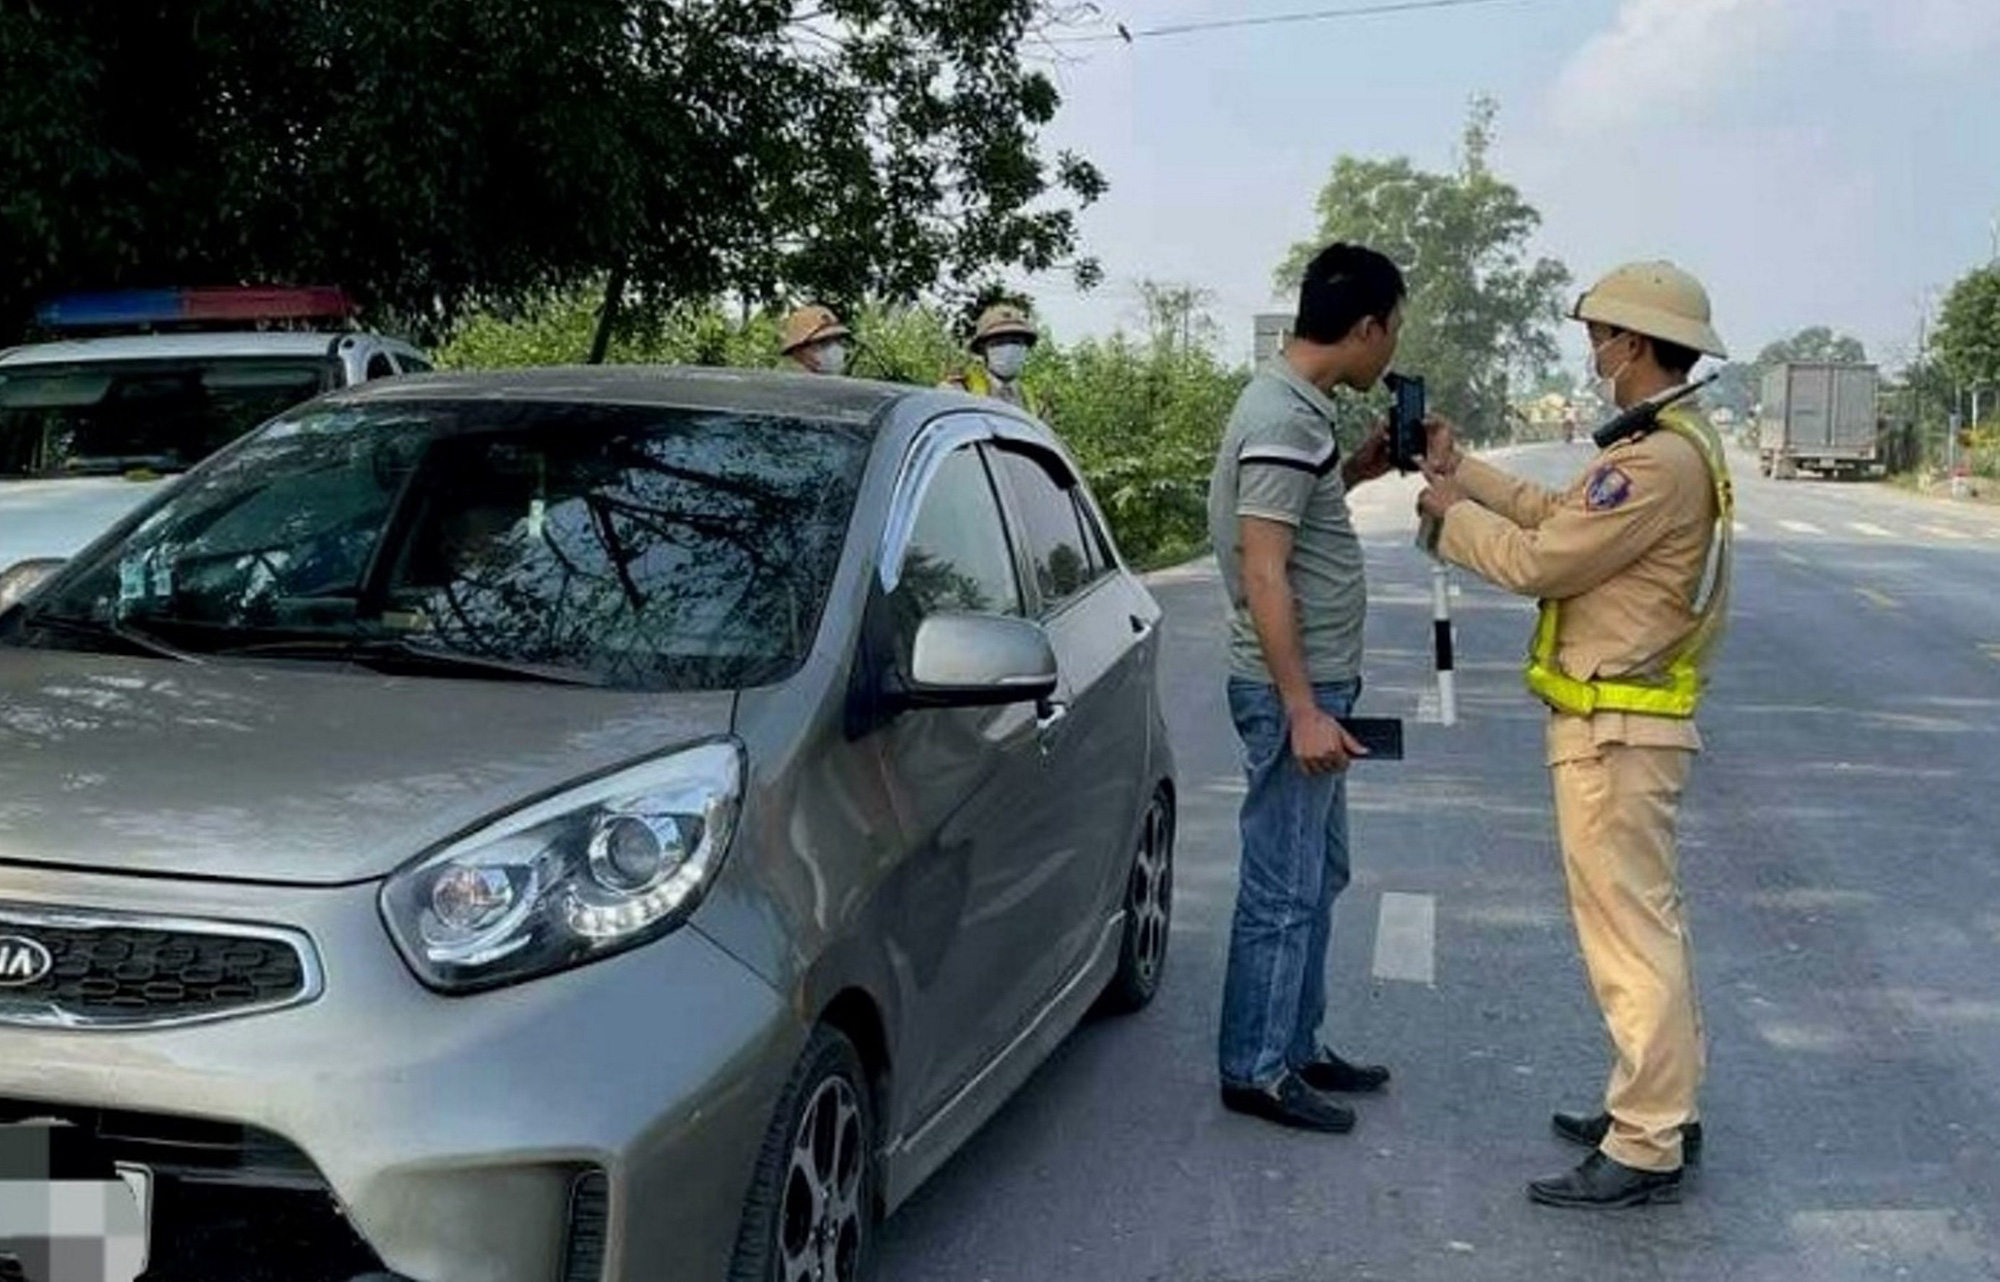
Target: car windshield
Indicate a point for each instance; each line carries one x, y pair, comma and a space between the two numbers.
95, 418
630, 546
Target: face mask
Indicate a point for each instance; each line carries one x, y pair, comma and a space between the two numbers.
1007, 359
831, 358
1606, 385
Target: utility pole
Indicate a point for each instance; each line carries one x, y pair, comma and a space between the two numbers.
1951, 442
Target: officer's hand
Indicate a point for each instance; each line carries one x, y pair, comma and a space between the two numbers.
1321, 745
1442, 494
1371, 458
1440, 445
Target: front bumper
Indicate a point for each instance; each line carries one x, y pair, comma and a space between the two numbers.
452, 1134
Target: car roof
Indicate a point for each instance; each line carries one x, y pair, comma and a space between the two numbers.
222, 343
776, 393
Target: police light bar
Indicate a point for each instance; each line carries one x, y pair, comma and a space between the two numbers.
170, 306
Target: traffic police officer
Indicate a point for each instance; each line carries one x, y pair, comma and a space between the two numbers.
813, 340
1000, 344
1631, 564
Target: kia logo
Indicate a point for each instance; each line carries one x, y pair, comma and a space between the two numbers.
23, 962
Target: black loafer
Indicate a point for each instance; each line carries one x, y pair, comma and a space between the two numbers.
1601, 1184
1331, 1073
1589, 1130
1290, 1102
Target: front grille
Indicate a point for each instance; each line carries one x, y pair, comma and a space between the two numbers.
124, 972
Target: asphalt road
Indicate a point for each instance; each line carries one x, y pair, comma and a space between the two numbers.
1841, 845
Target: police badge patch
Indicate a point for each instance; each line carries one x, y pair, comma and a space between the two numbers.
1608, 488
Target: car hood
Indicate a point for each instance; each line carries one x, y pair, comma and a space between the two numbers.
58, 517
289, 774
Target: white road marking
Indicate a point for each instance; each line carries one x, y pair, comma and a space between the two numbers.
1740, 527
1406, 938
1944, 532
1802, 527
1872, 531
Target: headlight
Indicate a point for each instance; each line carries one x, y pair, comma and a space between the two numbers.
590, 872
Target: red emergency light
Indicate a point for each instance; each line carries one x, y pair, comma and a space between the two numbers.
245, 304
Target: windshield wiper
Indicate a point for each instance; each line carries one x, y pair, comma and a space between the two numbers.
124, 633
389, 653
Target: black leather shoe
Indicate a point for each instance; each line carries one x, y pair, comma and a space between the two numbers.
1589, 1130
1290, 1102
1330, 1072
1601, 1184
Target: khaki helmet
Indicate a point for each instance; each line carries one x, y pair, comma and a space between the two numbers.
808, 325
1000, 321
1656, 299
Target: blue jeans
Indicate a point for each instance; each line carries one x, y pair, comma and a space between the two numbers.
1294, 866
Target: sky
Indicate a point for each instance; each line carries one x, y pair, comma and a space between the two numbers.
1815, 162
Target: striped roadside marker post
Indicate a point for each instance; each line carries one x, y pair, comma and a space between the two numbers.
1441, 643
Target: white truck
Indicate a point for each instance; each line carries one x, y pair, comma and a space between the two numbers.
1821, 417
92, 424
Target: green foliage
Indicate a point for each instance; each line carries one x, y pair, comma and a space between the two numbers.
1737, 386
900, 344
1818, 343
442, 156
1144, 421
1968, 337
1482, 315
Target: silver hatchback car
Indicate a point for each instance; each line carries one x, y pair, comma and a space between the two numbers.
570, 825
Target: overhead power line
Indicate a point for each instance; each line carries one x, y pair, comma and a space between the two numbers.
1128, 35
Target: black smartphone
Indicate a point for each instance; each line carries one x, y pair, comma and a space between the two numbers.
1406, 421
1382, 736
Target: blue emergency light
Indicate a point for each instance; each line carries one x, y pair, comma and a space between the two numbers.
179, 306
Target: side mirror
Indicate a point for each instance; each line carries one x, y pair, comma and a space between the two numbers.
23, 577
977, 661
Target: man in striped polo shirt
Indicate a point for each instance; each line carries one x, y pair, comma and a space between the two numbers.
1293, 570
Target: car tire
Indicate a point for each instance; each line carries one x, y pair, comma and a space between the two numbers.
811, 1207
1149, 908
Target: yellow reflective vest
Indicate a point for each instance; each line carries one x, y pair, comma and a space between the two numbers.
1675, 689
977, 380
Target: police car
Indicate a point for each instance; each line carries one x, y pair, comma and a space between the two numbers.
94, 421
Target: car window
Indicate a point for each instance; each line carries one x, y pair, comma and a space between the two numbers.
380, 367
412, 364
644, 547
95, 418
958, 558
1096, 546
1050, 527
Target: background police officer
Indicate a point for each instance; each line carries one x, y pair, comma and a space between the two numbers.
814, 340
1631, 566
1001, 341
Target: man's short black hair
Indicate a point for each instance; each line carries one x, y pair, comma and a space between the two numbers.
1343, 285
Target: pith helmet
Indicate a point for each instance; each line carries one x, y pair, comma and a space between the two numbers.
1656, 299
1002, 320
810, 324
